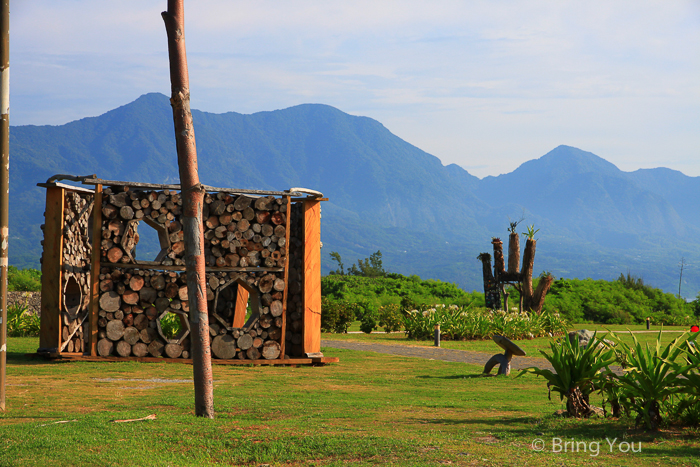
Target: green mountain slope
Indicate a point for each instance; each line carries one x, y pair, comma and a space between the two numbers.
428, 219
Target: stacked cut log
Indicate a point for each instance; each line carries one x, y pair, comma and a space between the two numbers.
295, 309
239, 231
260, 337
122, 212
132, 302
76, 270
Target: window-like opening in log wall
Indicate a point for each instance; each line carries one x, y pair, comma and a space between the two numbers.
173, 326
245, 321
150, 241
72, 297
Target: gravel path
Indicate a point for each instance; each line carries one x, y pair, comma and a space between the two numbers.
437, 353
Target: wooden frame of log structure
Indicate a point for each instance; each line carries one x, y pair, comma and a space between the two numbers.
101, 301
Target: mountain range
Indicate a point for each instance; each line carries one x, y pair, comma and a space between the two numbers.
428, 219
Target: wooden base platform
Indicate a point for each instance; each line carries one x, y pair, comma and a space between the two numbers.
78, 357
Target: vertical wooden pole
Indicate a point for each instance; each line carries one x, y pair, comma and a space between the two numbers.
312, 277
192, 202
95, 267
4, 185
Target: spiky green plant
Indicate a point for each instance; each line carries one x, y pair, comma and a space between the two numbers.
650, 377
531, 232
577, 372
688, 365
21, 323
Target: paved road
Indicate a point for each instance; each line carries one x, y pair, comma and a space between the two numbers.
437, 353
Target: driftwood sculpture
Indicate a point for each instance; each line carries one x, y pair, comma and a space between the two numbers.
503, 359
494, 284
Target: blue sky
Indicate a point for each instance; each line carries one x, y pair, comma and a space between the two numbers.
487, 85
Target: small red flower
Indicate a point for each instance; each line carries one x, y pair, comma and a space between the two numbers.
694, 328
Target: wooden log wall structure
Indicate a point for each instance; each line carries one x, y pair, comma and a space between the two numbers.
65, 263
255, 249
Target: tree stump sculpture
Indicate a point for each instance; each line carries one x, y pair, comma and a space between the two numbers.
520, 278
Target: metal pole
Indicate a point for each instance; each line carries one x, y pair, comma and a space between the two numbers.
4, 185
437, 335
192, 201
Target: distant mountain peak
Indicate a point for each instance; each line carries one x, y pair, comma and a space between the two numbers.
574, 160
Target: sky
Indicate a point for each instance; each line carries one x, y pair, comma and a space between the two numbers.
487, 85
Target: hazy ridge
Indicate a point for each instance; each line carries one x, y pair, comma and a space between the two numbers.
428, 219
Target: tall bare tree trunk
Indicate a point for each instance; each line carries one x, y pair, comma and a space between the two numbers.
192, 201
4, 184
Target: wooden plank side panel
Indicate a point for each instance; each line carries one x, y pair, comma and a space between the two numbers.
312, 277
50, 333
95, 268
241, 307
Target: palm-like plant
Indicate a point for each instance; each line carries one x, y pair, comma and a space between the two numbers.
650, 377
577, 372
689, 367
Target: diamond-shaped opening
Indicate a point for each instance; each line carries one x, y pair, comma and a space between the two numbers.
72, 297
173, 326
151, 237
236, 305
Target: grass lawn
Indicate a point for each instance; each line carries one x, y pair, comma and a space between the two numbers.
530, 346
369, 409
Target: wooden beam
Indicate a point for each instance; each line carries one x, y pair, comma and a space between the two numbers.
66, 186
312, 277
214, 189
95, 267
161, 267
51, 270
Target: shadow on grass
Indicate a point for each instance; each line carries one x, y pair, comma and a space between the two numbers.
552, 426
480, 375
22, 358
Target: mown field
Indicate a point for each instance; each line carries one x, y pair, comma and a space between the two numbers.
531, 346
369, 409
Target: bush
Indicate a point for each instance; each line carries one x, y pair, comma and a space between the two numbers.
391, 318
461, 323
336, 315
624, 301
20, 323
374, 292
23, 280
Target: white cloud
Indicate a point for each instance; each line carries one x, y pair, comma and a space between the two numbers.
471, 82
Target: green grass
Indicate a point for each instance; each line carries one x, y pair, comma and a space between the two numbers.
369, 409
530, 346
